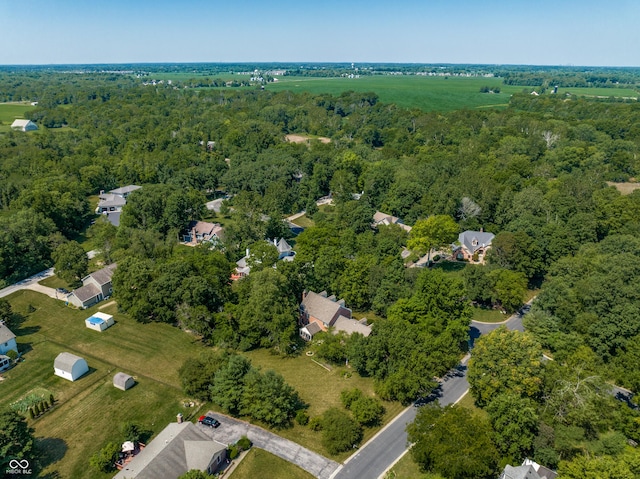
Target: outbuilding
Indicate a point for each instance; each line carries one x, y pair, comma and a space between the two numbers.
24, 125
69, 366
123, 381
99, 321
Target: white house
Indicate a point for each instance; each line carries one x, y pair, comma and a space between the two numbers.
23, 125
69, 366
7, 340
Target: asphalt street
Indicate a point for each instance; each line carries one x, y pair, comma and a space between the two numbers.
375, 457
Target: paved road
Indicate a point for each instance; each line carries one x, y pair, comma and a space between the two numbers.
374, 458
25, 283
32, 282
231, 430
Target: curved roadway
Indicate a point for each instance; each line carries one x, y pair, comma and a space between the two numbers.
390, 444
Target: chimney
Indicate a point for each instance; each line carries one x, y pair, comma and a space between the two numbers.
246, 252
179, 418
481, 230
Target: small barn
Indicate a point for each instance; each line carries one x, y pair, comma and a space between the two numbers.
23, 125
99, 321
123, 381
69, 366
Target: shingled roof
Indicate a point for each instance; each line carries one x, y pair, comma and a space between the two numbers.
5, 334
178, 448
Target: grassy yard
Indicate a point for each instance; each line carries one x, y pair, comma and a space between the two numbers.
486, 315
405, 468
11, 111
321, 389
304, 222
89, 411
259, 463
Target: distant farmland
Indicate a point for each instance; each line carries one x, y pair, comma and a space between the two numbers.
410, 91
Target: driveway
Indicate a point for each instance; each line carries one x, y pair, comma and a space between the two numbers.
25, 283
231, 430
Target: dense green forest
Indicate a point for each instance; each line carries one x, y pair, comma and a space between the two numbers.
534, 174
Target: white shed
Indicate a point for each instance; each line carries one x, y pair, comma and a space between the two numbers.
23, 125
123, 381
69, 366
99, 321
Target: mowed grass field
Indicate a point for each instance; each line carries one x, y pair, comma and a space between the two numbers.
88, 412
11, 111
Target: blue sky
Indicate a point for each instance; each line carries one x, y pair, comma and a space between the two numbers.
541, 32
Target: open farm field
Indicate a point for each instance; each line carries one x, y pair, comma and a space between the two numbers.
601, 92
426, 93
187, 75
10, 112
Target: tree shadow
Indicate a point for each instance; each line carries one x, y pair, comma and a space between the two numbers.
474, 333
50, 450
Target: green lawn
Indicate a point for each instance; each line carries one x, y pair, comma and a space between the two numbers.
486, 315
304, 222
258, 463
55, 282
405, 468
10, 112
89, 411
321, 389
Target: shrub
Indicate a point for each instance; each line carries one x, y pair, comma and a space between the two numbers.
104, 460
436, 258
315, 423
233, 452
340, 432
349, 396
244, 443
11, 354
31, 413
302, 417
367, 411
39, 408
51, 399
31, 308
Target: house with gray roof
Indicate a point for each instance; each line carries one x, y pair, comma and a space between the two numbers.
111, 204
178, 448
95, 287
383, 219
319, 312
7, 340
472, 246
528, 470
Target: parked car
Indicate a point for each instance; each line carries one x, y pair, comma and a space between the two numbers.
63, 290
209, 421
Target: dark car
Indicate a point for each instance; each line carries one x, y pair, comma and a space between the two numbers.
209, 421
62, 290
